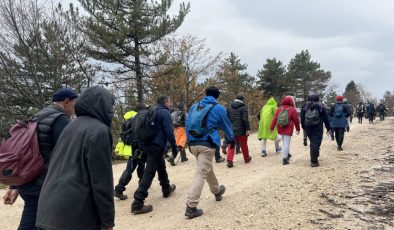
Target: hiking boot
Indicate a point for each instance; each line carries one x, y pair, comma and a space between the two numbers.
285, 161
171, 160
340, 148
248, 160
278, 150
314, 164
230, 164
219, 196
193, 212
184, 159
120, 195
264, 153
220, 160
224, 150
171, 191
288, 156
305, 142
142, 210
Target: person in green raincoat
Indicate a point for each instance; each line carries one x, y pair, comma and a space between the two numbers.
266, 115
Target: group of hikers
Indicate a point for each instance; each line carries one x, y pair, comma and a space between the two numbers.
75, 189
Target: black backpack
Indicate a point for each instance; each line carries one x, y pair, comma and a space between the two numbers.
312, 117
145, 124
128, 136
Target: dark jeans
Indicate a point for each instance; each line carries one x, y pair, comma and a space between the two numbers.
315, 135
339, 135
155, 162
360, 117
132, 165
29, 214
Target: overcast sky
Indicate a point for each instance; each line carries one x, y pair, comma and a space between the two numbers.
351, 38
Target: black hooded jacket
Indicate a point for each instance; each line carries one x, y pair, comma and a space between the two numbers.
237, 112
78, 190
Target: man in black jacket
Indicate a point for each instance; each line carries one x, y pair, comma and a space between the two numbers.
78, 190
237, 112
51, 122
313, 115
154, 150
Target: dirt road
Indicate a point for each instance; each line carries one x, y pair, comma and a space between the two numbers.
352, 189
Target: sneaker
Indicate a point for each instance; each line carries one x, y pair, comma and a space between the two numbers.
171, 160
230, 164
220, 160
264, 153
340, 148
278, 150
168, 193
248, 160
142, 210
305, 142
193, 212
314, 164
219, 196
120, 196
285, 161
224, 150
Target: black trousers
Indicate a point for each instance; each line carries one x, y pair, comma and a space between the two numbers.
154, 163
360, 117
315, 135
339, 135
132, 165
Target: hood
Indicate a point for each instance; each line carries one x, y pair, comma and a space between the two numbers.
96, 102
237, 104
127, 116
272, 101
288, 100
208, 100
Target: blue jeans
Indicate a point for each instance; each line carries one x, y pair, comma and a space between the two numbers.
29, 214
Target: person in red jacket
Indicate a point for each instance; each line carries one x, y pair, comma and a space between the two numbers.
286, 130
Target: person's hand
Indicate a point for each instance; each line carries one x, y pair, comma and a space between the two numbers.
247, 132
232, 144
298, 132
10, 196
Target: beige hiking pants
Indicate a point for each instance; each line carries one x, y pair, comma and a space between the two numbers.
204, 171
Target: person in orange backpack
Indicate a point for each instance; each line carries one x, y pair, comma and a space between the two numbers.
285, 119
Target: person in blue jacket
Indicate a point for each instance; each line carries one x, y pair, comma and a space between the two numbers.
203, 147
339, 114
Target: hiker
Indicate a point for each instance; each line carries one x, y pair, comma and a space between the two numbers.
285, 119
51, 122
78, 190
203, 141
224, 147
238, 115
371, 111
132, 149
178, 118
265, 119
382, 111
154, 150
313, 115
339, 114
346, 103
360, 111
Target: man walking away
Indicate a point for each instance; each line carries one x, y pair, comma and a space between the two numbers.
360, 111
339, 114
78, 190
154, 150
238, 115
51, 122
203, 143
382, 111
371, 111
266, 116
178, 118
313, 115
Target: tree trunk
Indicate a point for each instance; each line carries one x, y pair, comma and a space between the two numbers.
138, 72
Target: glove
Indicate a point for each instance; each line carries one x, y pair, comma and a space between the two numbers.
232, 144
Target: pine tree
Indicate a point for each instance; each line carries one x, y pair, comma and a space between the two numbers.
352, 94
272, 79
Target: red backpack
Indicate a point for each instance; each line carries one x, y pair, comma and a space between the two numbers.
20, 158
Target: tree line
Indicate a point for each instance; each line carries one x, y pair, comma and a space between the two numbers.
130, 47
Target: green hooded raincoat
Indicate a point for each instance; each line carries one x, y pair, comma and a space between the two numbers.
266, 115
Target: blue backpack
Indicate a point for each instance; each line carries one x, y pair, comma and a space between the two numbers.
197, 126
338, 112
